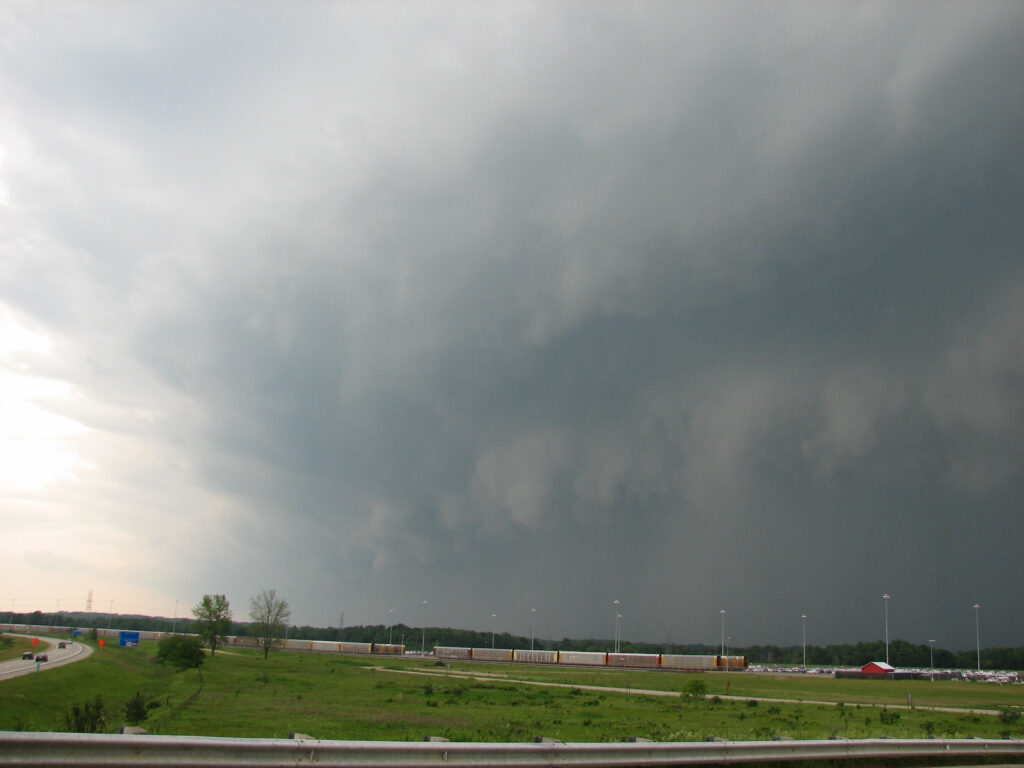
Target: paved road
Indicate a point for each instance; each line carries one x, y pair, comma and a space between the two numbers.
48, 645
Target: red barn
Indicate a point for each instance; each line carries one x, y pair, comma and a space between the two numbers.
876, 669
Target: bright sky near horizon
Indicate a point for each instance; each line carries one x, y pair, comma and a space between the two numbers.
511, 306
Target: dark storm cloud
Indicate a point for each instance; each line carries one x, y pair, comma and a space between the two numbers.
690, 306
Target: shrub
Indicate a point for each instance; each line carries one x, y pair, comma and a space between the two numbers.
696, 689
135, 709
888, 718
180, 652
89, 717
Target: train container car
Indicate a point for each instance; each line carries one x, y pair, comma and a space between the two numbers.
492, 654
687, 663
535, 657
448, 652
355, 647
732, 663
634, 660
322, 646
389, 649
583, 658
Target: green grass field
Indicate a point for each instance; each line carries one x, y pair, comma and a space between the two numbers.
332, 697
12, 646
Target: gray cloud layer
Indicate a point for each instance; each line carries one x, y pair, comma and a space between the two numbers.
693, 306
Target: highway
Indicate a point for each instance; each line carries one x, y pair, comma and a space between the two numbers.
58, 657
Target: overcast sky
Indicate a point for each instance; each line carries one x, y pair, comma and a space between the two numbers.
696, 306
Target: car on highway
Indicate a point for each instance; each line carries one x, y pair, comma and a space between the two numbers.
62, 644
42, 657
27, 655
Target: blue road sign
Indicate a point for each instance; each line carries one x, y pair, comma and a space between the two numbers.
129, 639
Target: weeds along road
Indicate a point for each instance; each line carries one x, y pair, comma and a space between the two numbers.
482, 677
58, 657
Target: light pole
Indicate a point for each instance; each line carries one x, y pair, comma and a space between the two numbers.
723, 631
931, 656
533, 612
615, 641
391, 624
174, 624
885, 597
803, 618
977, 634
493, 617
423, 639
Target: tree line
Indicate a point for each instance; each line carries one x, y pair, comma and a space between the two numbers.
269, 615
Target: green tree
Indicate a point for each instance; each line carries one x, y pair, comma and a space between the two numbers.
269, 615
696, 689
180, 652
135, 709
213, 619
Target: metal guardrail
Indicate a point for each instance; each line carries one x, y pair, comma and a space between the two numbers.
87, 750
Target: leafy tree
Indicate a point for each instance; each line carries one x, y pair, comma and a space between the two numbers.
180, 652
269, 615
135, 709
213, 619
696, 689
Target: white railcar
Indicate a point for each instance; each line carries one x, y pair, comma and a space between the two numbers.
583, 658
634, 660
492, 654
535, 657
355, 647
450, 652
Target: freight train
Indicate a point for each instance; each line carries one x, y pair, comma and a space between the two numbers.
677, 662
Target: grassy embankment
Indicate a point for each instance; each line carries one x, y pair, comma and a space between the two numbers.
12, 646
332, 697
